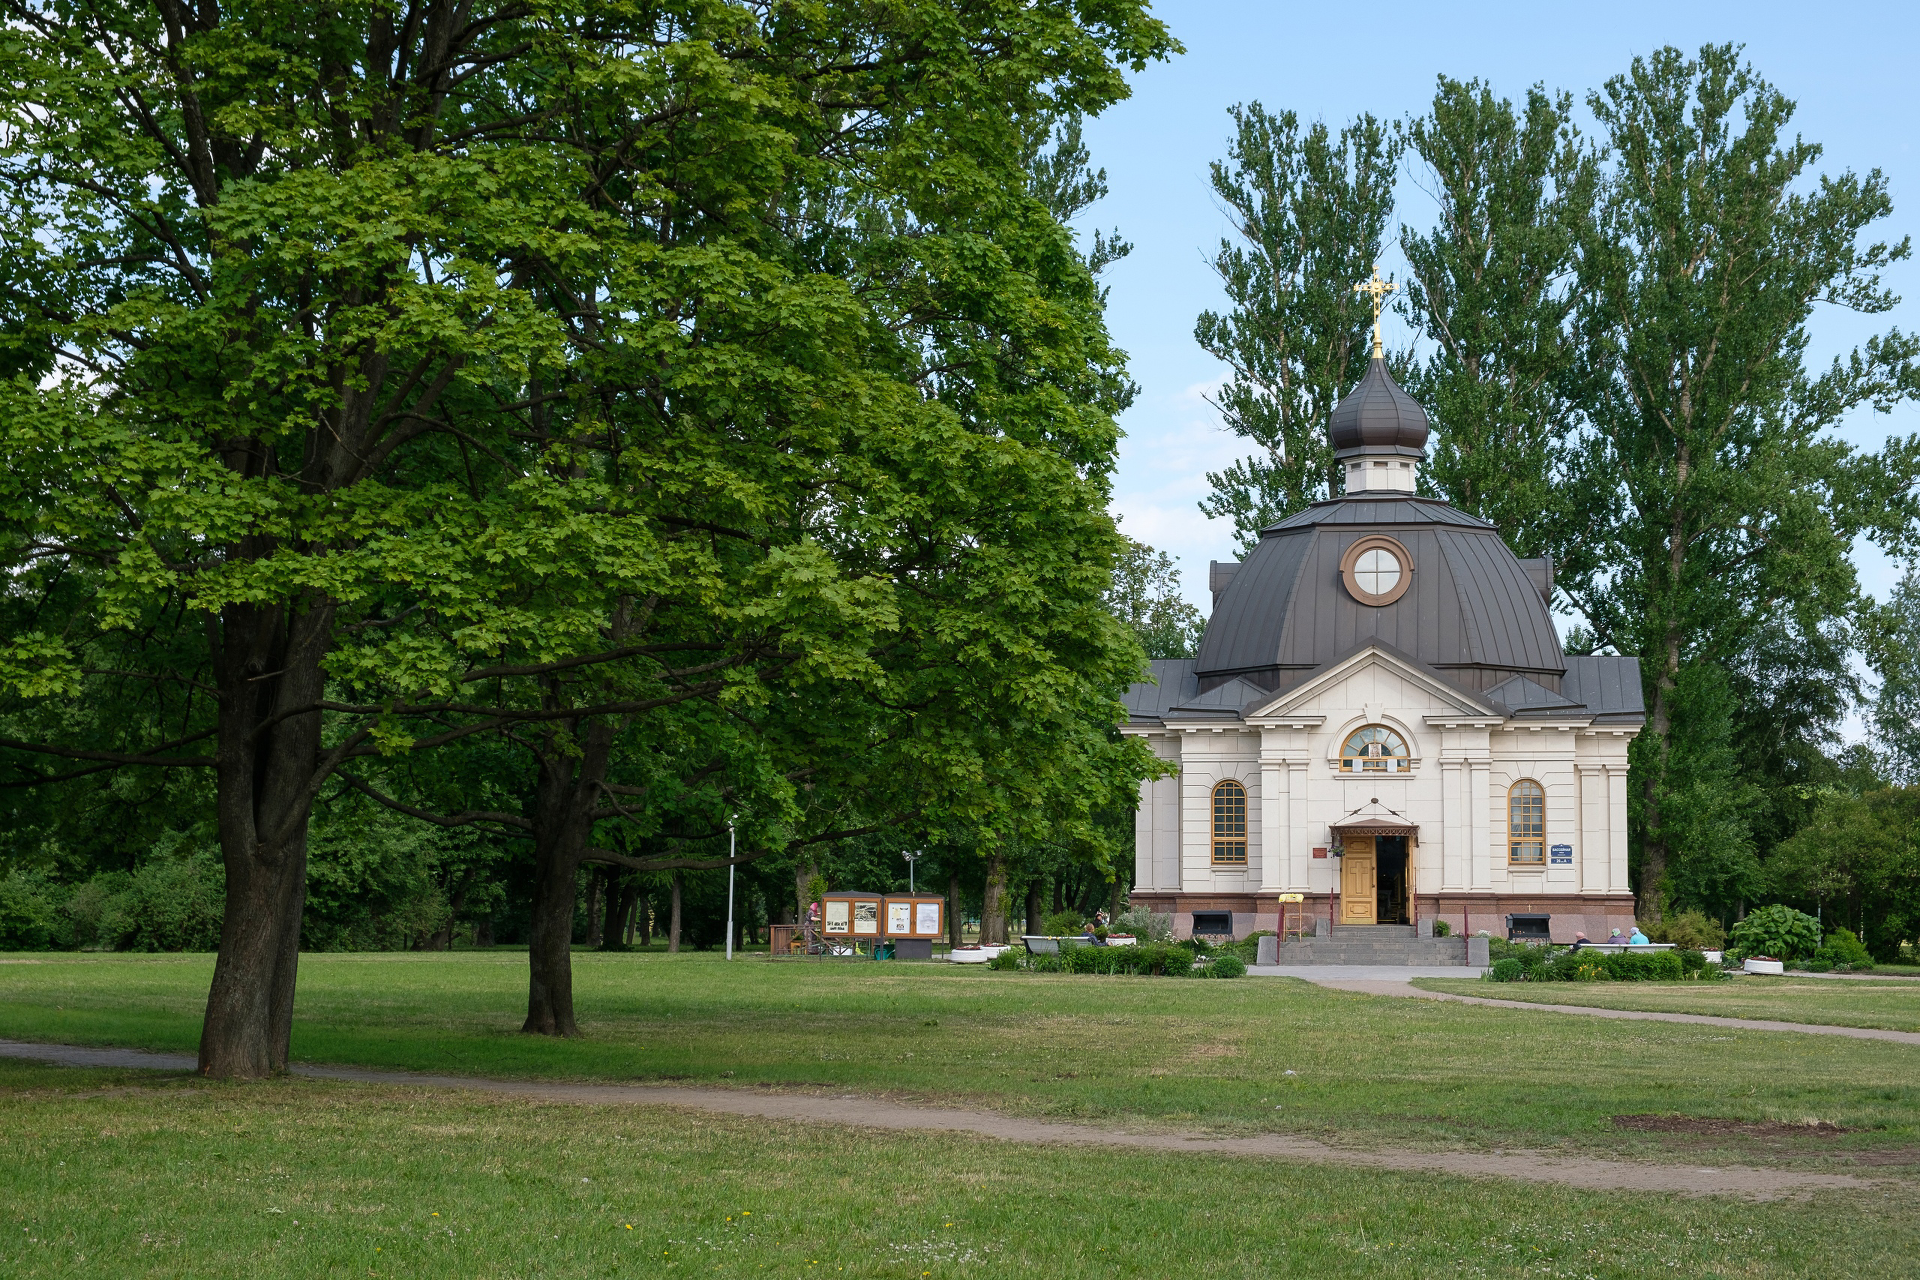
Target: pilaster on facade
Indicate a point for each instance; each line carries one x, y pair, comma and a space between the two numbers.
1594, 850
1617, 827
1480, 801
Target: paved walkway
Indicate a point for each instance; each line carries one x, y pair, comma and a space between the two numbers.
859, 1111
1390, 980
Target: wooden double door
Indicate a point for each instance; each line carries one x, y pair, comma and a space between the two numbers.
1376, 880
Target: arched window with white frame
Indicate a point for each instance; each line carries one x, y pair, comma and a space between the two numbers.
1374, 749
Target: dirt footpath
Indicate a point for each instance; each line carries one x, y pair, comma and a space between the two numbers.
858, 1111
1379, 987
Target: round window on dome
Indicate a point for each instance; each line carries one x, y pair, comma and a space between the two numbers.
1377, 570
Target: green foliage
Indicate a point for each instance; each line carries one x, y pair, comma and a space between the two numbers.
1146, 597
1063, 924
1441, 929
1545, 964
1863, 851
1225, 966
1693, 930
1006, 960
1778, 931
1310, 211
1145, 924
1160, 959
170, 902
28, 920
1711, 511
1843, 947
1492, 289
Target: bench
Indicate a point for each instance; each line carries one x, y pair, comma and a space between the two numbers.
1529, 928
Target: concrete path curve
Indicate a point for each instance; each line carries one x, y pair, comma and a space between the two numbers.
1376, 986
858, 1111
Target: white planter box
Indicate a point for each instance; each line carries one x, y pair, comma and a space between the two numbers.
1764, 966
1713, 957
973, 955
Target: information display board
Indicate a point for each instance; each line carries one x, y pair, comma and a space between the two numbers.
915, 916
855, 915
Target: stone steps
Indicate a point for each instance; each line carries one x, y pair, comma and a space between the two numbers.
1384, 944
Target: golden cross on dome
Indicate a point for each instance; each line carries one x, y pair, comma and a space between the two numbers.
1379, 289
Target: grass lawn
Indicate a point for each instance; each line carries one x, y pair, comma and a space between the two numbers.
134, 1175
1241, 1056
1789, 998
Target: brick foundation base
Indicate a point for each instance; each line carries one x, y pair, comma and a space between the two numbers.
1464, 913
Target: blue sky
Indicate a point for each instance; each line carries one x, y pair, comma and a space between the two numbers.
1848, 66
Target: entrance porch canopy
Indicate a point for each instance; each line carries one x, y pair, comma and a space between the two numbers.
1374, 818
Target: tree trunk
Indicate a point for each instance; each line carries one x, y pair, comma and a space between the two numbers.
954, 937
645, 913
993, 908
442, 938
595, 880
1036, 896
673, 937
572, 764
483, 933
1059, 894
266, 774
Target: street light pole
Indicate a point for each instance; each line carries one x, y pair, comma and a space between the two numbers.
731, 841
912, 856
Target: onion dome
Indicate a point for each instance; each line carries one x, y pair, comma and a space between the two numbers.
1377, 416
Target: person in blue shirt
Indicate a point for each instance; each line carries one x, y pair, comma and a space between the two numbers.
1638, 939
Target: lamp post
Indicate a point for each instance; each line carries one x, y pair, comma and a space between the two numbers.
730, 870
912, 856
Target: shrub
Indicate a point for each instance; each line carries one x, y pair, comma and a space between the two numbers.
1692, 929
1227, 966
1508, 970
27, 918
1008, 959
1062, 923
1149, 926
1777, 931
1843, 947
1441, 929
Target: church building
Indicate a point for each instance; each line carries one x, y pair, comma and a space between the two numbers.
1381, 719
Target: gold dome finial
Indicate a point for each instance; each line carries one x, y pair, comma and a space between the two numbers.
1379, 289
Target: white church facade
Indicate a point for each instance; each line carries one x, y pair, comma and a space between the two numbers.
1381, 719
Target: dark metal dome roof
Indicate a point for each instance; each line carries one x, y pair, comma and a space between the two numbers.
1474, 612
1377, 414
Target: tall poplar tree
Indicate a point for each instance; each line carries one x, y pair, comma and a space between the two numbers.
1492, 287
1311, 210
1712, 506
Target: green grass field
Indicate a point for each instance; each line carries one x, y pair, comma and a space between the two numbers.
1828, 1001
1243, 1056
119, 1174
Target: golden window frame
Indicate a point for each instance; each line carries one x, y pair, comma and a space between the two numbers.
1229, 823
1376, 542
1380, 763
1526, 827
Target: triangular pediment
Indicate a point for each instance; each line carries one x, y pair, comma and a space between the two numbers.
1372, 653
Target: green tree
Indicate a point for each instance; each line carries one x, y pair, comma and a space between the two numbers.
1492, 288
1708, 497
1893, 647
1311, 210
1146, 596
350, 312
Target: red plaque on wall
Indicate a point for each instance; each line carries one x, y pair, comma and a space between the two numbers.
1319, 853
